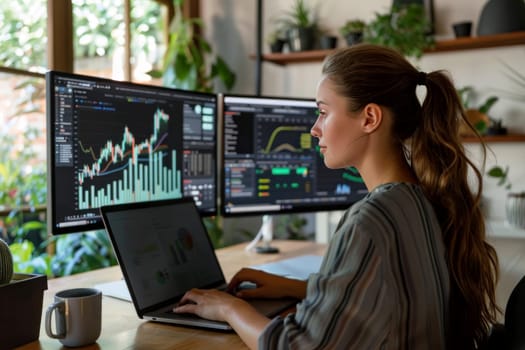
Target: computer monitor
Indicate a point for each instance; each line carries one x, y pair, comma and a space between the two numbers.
113, 142
272, 164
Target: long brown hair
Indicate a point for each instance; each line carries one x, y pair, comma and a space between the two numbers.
429, 135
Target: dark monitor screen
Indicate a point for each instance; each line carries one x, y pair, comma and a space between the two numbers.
112, 142
273, 165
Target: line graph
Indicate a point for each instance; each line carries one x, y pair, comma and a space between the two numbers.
283, 138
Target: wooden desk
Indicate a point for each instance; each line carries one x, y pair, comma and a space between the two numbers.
121, 327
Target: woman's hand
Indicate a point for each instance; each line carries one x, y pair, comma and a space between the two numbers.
266, 285
247, 322
211, 304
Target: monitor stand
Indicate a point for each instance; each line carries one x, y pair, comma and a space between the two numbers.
266, 235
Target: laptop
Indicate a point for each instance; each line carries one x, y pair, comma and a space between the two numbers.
164, 250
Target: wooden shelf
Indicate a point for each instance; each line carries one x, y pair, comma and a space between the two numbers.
470, 43
480, 42
296, 57
496, 138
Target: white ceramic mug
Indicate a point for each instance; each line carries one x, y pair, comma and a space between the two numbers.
78, 316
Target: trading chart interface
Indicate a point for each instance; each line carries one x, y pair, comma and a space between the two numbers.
114, 142
273, 164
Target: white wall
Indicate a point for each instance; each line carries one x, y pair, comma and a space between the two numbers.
231, 26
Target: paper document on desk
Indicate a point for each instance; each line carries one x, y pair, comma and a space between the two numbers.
115, 289
299, 267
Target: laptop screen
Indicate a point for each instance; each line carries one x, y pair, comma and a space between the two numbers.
163, 249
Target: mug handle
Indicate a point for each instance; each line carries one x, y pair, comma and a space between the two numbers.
59, 306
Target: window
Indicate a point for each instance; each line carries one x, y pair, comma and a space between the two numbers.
117, 39
23, 52
23, 38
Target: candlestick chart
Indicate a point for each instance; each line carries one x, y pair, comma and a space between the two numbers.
135, 164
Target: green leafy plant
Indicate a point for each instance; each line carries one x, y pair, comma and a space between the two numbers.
353, 31
185, 64
465, 96
276, 39
81, 252
276, 34
73, 253
301, 24
482, 121
501, 174
300, 16
28, 258
405, 28
352, 26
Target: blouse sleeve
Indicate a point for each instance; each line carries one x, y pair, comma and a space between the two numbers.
346, 306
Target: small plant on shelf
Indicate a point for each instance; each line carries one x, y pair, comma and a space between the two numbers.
276, 40
301, 26
353, 30
479, 116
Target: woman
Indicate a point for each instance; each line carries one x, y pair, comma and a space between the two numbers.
408, 266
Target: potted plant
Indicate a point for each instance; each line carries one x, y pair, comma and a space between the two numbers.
515, 201
479, 116
301, 26
21, 298
352, 31
405, 28
327, 40
185, 65
276, 40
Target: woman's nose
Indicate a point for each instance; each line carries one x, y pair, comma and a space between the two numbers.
314, 131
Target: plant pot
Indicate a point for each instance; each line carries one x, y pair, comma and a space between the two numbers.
277, 45
515, 210
21, 309
301, 39
496, 130
354, 38
462, 29
328, 42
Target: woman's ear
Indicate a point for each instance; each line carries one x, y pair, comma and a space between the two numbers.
372, 117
